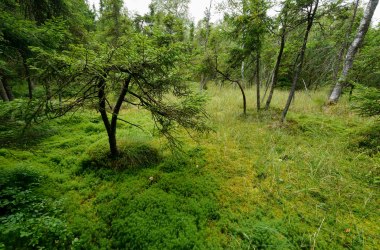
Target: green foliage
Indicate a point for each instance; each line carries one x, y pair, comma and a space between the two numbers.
15, 118
47, 25
29, 220
224, 193
366, 70
366, 100
252, 183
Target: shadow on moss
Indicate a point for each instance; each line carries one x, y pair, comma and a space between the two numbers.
134, 157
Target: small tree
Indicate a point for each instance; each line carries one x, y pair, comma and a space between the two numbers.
366, 100
141, 71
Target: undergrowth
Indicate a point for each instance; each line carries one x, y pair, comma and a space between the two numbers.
253, 183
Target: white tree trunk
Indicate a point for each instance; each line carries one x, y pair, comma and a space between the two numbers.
242, 72
362, 30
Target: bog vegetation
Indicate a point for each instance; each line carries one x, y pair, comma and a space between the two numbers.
127, 131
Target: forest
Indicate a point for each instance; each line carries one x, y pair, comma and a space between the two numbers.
120, 130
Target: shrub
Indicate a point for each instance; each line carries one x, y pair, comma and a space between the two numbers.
366, 100
27, 219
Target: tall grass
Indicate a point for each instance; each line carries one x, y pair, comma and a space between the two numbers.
298, 181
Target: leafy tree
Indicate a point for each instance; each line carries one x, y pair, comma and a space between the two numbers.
250, 25
50, 25
366, 69
142, 71
177, 8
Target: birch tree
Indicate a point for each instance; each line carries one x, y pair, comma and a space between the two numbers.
352, 50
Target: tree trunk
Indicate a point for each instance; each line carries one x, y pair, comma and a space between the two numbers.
103, 112
276, 68
116, 109
28, 79
310, 20
349, 60
204, 79
242, 69
8, 89
258, 80
345, 43
238, 83
3, 93
111, 126
267, 85
244, 98
202, 84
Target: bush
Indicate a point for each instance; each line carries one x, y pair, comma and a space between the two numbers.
366, 100
27, 219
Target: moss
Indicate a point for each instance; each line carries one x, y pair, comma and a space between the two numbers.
251, 183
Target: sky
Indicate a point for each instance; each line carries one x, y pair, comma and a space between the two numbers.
196, 10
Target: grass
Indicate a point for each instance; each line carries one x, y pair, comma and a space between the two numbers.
253, 183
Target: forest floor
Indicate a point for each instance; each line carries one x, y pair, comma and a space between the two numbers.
251, 183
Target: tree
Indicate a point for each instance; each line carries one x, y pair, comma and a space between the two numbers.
110, 20
311, 10
250, 25
177, 8
207, 31
366, 100
142, 71
347, 38
352, 50
51, 25
284, 23
366, 69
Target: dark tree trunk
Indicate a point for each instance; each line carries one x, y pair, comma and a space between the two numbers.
310, 20
119, 103
111, 126
258, 104
103, 112
240, 87
244, 98
28, 79
276, 69
8, 89
3, 93
348, 63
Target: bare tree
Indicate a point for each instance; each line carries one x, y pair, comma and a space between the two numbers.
352, 50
